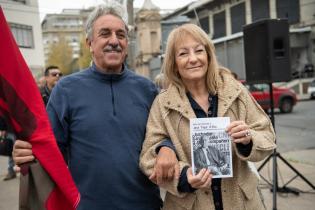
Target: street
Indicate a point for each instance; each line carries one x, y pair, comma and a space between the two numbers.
295, 139
296, 130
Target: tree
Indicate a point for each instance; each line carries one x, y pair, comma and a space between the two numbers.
85, 55
60, 54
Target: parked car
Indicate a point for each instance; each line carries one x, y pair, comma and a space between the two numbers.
284, 98
311, 89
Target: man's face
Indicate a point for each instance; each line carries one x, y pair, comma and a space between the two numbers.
109, 43
53, 77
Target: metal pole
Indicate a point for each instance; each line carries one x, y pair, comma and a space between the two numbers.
274, 158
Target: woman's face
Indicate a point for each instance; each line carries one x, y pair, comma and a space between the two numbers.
191, 60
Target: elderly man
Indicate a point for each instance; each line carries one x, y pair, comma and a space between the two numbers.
52, 75
99, 119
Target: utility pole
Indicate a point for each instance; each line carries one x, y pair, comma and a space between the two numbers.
132, 35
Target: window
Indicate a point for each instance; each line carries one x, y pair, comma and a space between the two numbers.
289, 9
258, 87
155, 45
260, 10
21, 1
23, 35
204, 22
238, 17
219, 25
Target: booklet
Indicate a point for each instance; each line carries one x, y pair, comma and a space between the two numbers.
211, 146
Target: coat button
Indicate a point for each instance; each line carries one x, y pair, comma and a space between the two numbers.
178, 105
207, 192
168, 102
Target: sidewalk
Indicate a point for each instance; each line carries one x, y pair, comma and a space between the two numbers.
302, 160
9, 190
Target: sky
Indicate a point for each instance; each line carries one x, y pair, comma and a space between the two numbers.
56, 6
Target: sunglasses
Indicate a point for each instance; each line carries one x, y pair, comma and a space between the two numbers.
54, 74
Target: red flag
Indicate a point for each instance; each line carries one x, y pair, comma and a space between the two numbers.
23, 109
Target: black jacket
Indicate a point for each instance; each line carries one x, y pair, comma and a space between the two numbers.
3, 125
45, 92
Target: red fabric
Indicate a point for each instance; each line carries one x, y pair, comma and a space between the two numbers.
23, 109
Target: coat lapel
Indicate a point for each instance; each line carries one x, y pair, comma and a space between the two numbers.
176, 99
227, 94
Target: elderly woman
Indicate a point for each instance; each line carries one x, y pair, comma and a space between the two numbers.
198, 88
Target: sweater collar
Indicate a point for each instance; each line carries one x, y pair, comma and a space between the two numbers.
110, 76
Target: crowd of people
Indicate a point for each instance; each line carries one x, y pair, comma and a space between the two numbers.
122, 140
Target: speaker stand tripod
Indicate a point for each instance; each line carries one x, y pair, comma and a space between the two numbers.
274, 156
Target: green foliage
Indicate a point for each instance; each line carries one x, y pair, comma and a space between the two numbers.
61, 55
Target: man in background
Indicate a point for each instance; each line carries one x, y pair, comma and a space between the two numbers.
52, 75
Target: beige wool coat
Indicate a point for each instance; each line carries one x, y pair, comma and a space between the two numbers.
169, 117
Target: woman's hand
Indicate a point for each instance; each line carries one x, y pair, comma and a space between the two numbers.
240, 132
166, 167
202, 180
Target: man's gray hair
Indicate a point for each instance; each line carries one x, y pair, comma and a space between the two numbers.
101, 10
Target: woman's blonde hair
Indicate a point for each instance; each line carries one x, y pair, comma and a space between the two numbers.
169, 64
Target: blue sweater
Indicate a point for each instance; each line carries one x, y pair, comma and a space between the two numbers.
99, 121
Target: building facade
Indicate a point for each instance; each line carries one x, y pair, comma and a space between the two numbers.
148, 37
69, 24
223, 22
24, 21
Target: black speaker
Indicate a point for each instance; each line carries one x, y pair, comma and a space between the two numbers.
267, 51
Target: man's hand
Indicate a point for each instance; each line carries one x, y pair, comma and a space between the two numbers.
166, 167
22, 152
202, 180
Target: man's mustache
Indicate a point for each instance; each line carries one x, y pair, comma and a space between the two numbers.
111, 48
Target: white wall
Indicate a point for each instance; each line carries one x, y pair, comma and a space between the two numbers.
27, 15
307, 12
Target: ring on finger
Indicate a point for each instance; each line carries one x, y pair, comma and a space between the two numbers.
247, 133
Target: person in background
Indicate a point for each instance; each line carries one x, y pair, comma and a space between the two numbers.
40, 82
99, 118
200, 88
52, 76
4, 134
160, 82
